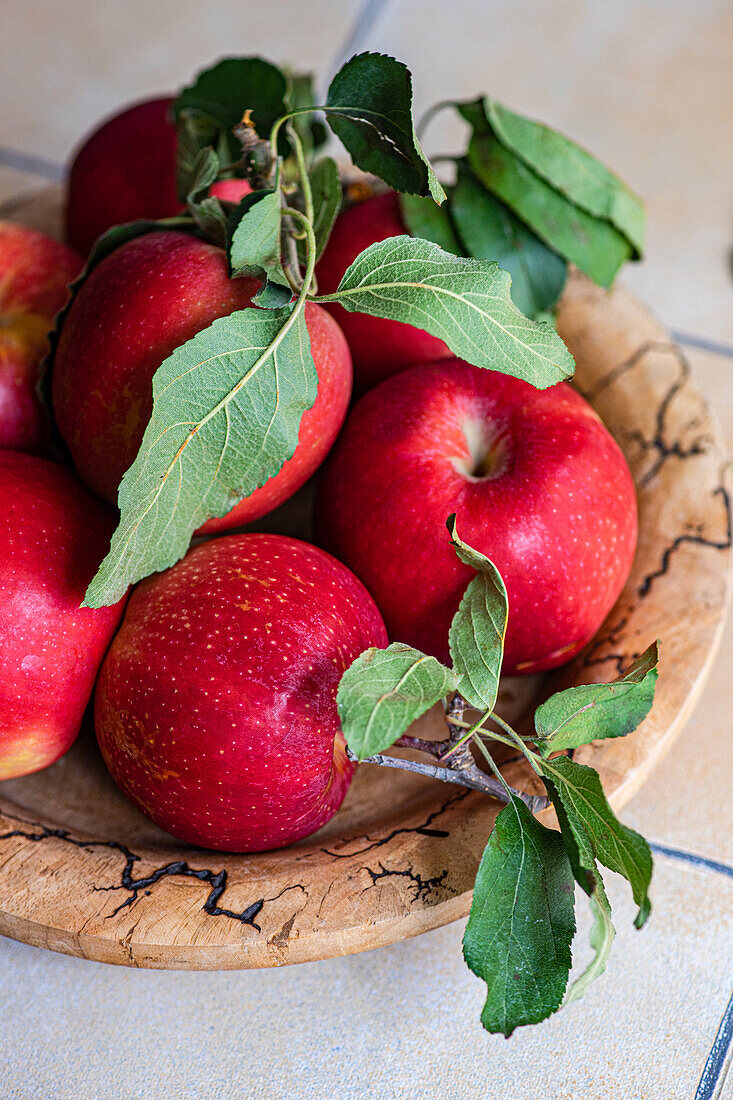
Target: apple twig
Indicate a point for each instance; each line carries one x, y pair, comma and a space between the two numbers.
461, 756
421, 744
476, 780
462, 768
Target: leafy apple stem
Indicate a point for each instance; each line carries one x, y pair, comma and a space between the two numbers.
427, 118
356, 110
310, 238
473, 736
302, 172
473, 778
477, 727
275, 131
421, 744
472, 731
489, 760
515, 737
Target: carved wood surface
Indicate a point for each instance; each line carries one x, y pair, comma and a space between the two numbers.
81, 871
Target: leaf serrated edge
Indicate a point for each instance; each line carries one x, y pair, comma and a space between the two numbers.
343, 294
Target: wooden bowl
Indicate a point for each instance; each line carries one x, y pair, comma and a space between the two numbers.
81, 871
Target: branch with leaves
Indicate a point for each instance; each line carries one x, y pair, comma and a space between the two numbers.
534, 201
480, 272
522, 920
227, 404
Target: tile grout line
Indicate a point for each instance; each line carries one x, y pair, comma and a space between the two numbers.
689, 857
703, 343
718, 1056
32, 164
366, 17
717, 1059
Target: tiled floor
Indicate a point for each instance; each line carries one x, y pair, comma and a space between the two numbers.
648, 84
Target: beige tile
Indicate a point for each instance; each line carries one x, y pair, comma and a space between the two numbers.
399, 1023
646, 84
15, 187
74, 61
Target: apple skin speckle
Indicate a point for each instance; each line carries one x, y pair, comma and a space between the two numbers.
222, 731
552, 503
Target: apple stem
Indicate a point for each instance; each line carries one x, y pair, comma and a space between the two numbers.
433, 748
475, 779
430, 114
302, 172
297, 216
462, 768
291, 267
274, 132
459, 748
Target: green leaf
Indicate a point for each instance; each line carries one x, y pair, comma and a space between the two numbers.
272, 296
425, 219
474, 113
572, 170
226, 413
585, 871
596, 830
369, 107
326, 194
522, 921
326, 191
592, 712
253, 232
464, 302
221, 94
205, 209
602, 935
195, 135
311, 130
577, 844
477, 632
490, 231
384, 691
594, 245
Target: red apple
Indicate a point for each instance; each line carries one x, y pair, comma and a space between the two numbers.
379, 348
535, 479
34, 275
216, 705
143, 301
230, 190
126, 170
53, 536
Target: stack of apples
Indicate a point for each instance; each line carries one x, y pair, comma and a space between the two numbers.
215, 703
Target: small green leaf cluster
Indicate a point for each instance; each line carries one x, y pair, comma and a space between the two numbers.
534, 201
227, 405
522, 921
